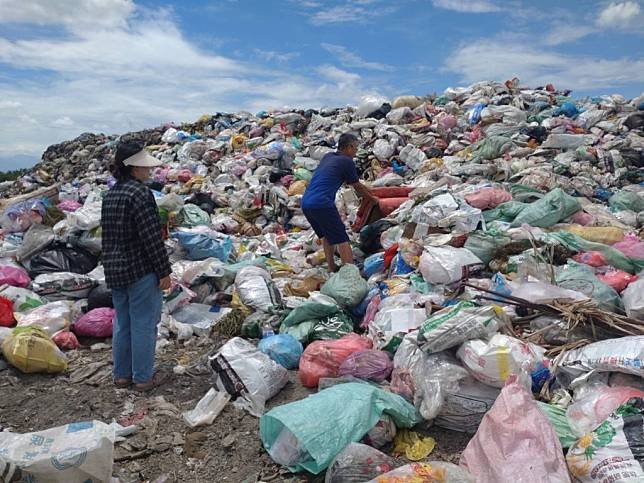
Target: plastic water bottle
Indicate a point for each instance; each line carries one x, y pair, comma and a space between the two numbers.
267, 331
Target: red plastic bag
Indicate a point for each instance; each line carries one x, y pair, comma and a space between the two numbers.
66, 340
323, 358
486, 198
95, 323
6, 312
371, 365
618, 279
17, 277
515, 442
594, 259
631, 246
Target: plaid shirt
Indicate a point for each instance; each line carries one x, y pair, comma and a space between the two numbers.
132, 241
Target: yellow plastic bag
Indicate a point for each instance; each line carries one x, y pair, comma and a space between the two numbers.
608, 235
31, 350
413, 446
297, 188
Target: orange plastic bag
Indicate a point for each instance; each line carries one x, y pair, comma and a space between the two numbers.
6, 312
323, 358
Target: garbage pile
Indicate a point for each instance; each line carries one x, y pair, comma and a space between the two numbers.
498, 287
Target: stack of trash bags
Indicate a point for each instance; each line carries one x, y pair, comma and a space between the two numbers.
497, 288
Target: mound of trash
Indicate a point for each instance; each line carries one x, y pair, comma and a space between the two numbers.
497, 289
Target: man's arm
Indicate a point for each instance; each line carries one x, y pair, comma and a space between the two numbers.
364, 192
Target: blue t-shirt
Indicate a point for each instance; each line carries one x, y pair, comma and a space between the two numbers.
334, 169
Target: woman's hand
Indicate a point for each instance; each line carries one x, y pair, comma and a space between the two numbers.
164, 283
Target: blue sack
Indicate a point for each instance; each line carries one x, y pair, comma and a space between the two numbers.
284, 349
374, 264
199, 246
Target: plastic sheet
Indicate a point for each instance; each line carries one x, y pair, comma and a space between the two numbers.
295, 440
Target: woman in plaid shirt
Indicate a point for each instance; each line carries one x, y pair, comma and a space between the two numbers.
136, 265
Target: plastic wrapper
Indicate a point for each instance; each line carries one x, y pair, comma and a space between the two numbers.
596, 404
454, 325
464, 408
323, 358
22, 298
63, 286
358, 463
346, 286
247, 374
517, 432
613, 355
372, 365
256, 289
633, 298
79, 452
51, 317
207, 409
299, 442
31, 350
613, 451
444, 265
426, 472
284, 349
95, 323
493, 361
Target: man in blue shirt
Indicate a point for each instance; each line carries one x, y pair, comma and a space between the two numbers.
318, 202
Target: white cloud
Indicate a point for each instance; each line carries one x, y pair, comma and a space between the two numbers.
73, 14
492, 59
351, 59
352, 11
467, 6
563, 33
274, 56
64, 121
620, 15
139, 75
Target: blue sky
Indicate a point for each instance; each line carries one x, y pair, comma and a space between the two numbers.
71, 66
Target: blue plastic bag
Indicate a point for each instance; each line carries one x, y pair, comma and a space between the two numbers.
284, 349
199, 246
474, 114
374, 264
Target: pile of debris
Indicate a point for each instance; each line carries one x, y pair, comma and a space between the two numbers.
497, 290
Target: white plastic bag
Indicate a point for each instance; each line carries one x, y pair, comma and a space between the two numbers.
86, 218
464, 409
207, 409
369, 104
428, 471
412, 156
75, 453
247, 374
443, 265
494, 361
624, 354
256, 289
633, 298
63, 285
52, 317
383, 150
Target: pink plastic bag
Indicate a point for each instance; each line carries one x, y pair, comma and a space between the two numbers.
594, 259
515, 442
371, 365
69, 205
618, 279
323, 358
486, 198
370, 313
66, 340
184, 175
582, 218
631, 246
14, 276
95, 323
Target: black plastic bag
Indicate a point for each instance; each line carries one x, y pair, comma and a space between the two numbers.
58, 257
100, 296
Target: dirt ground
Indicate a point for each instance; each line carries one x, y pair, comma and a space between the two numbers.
165, 449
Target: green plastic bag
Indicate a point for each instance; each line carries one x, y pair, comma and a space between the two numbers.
559, 421
302, 174
192, 215
524, 193
613, 256
626, 200
300, 331
506, 212
308, 434
332, 327
581, 278
549, 210
346, 286
485, 244
309, 311
491, 147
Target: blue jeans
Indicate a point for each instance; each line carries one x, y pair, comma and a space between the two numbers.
134, 337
